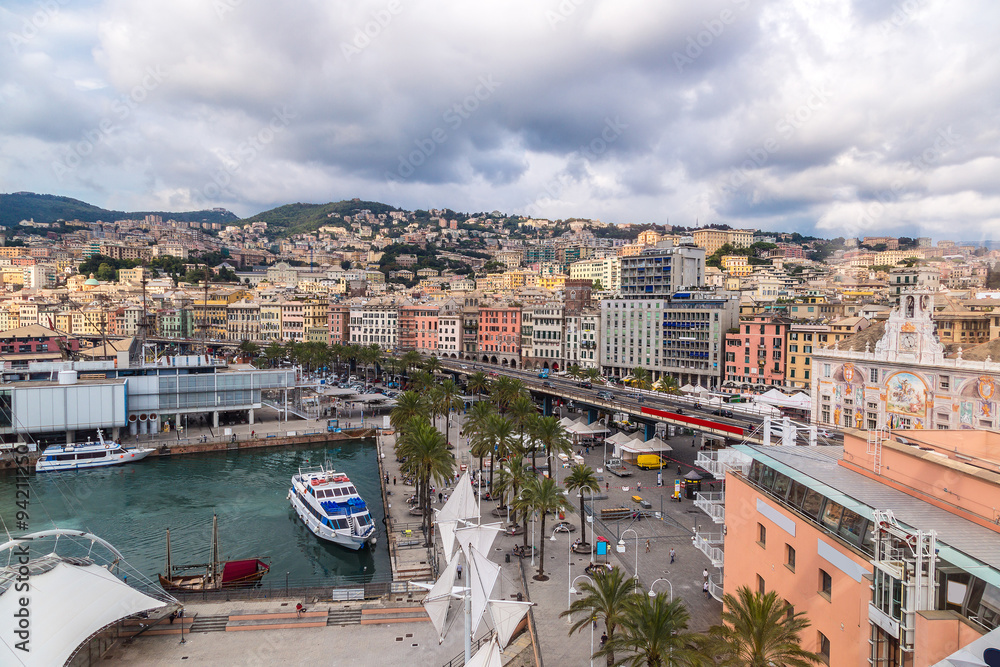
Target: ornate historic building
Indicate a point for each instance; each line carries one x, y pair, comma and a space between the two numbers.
896, 374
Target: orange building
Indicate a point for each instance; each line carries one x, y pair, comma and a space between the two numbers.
890, 543
500, 335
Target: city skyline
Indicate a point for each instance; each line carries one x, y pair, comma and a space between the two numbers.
850, 120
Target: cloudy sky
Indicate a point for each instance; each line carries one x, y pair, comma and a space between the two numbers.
832, 117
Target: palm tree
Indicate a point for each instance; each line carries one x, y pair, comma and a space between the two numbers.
505, 389
757, 631
448, 398
593, 374
428, 460
475, 423
520, 412
433, 365
606, 599
640, 378
654, 632
409, 405
510, 480
549, 433
543, 496
420, 381
273, 352
575, 372
372, 357
249, 349
668, 385
478, 383
497, 438
582, 477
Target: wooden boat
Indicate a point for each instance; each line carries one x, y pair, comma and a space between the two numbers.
218, 574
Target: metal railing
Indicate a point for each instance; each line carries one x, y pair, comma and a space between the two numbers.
459, 660
721, 461
715, 587
706, 543
326, 588
712, 504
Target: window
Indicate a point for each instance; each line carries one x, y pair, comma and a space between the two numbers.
761, 535
826, 370
790, 557
760, 584
824, 647
825, 584
873, 375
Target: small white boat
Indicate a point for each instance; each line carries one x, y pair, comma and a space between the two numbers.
330, 507
88, 455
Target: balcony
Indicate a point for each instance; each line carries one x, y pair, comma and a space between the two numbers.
719, 462
712, 504
709, 544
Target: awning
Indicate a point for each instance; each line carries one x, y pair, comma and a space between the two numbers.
639, 446
71, 599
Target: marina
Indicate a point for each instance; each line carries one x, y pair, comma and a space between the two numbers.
134, 506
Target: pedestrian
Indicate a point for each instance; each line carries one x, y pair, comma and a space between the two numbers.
458, 571
446, 497
604, 638
704, 574
394, 480
638, 486
704, 588
173, 615
253, 434
440, 497
672, 554
647, 546
607, 486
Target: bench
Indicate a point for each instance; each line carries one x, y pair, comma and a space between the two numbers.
616, 513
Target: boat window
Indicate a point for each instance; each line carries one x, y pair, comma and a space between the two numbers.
338, 491
65, 457
365, 519
342, 524
351, 489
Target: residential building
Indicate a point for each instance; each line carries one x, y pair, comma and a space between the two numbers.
375, 322
802, 336
755, 353
449, 341
270, 321
710, 239
659, 272
547, 336
607, 271
243, 320
915, 277
499, 334
339, 323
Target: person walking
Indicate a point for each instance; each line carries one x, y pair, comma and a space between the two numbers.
647, 546
604, 639
704, 588
458, 571
394, 480
704, 574
440, 497
672, 554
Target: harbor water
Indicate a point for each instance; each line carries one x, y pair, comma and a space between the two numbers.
132, 506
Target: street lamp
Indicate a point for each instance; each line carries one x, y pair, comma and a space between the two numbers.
573, 591
621, 549
652, 594
569, 563
605, 420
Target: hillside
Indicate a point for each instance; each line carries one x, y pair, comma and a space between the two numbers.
50, 208
300, 218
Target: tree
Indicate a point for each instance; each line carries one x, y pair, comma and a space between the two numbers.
409, 405
433, 365
345, 265
605, 599
410, 360
757, 631
448, 399
510, 480
593, 374
654, 631
596, 286
582, 478
574, 371
543, 496
640, 378
420, 381
505, 389
549, 433
249, 349
497, 439
273, 352
520, 412
475, 423
428, 460
668, 385
478, 383
106, 273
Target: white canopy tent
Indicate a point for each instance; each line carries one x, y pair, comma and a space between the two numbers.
773, 397
69, 602
638, 445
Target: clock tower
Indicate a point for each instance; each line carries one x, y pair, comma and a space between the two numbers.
909, 332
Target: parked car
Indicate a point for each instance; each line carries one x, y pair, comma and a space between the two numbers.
723, 413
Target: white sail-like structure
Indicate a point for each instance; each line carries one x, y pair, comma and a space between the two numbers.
439, 598
446, 529
479, 537
462, 505
507, 615
483, 574
487, 656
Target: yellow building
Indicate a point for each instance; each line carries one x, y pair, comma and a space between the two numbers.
710, 239
270, 321
736, 265
314, 315
557, 282
131, 276
215, 314
798, 354
648, 237
740, 238
630, 250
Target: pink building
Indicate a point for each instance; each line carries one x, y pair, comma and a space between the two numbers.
426, 330
755, 355
500, 335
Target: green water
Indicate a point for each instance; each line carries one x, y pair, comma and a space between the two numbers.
132, 506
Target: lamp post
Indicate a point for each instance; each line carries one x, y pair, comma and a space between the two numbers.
571, 592
652, 594
569, 562
605, 420
621, 548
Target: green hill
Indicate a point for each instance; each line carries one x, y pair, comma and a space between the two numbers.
301, 218
51, 208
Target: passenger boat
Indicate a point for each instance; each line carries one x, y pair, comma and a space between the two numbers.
329, 504
88, 455
218, 574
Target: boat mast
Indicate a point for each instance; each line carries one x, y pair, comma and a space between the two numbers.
215, 548
168, 554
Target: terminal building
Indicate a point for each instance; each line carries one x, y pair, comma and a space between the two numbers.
68, 401
890, 544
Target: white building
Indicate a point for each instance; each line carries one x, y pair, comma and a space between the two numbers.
606, 270
375, 322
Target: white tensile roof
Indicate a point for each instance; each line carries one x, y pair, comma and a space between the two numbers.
70, 599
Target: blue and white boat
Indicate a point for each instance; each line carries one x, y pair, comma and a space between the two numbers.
88, 455
329, 504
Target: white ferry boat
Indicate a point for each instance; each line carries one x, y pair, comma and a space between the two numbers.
88, 455
331, 508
